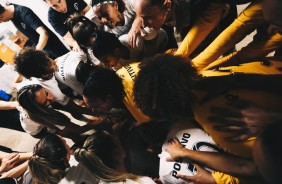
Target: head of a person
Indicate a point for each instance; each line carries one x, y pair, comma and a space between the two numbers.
103, 90
101, 154
162, 89
83, 71
108, 49
267, 153
58, 5
50, 159
272, 14
153, 12
36, 100
35, 63
4, 14
83, 30
35, 94
109, 12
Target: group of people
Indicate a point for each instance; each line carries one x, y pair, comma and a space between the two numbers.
151, 112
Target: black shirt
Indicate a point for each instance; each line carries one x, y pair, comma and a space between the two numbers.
27, 22
58, 20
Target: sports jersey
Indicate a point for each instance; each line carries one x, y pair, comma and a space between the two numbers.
128, 74
67, 65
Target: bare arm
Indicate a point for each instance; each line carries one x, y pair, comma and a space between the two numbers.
43, 38
71, 42
135, 31
8, 105
17, 171
222, 162
85, 10
72, 107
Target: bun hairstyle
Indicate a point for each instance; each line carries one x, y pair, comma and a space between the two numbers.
81, 28
48, 163
97, 156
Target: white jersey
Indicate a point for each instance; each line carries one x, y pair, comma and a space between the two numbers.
190, 138
67, 65
141, 180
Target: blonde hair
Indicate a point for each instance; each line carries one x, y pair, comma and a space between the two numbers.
87, 155
48, 163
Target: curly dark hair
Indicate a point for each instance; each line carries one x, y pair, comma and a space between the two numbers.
162, 89
2, 9
32, 63
103, 82
105, 44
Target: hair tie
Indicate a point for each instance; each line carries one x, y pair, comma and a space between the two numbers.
104, 2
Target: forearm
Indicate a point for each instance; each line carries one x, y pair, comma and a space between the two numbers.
8, 105
43, 39
16, 172
208, 20
25, 156
223, 162
70, 40
74, 108
246, 22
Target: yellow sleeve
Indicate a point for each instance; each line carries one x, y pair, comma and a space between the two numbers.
246, 22
221, 178
208, 20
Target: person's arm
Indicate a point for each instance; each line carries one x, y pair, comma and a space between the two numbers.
9, 161
205, 23
85, 10
43, 38
135, 31
244, 118
17, 171
73, 108
222, 162
71, 42
247, 22
8, 105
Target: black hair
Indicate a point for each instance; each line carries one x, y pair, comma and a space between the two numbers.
81, 28
83, 71
105, 44
48, 163
121, 5
162, 89
2, 9
103, 82
32, 63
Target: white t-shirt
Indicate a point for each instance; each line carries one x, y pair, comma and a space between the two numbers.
142, 180
190, 138
29, 125
67, 65
77, 174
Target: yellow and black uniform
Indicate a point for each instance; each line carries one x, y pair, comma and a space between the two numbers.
250, 19
128, 74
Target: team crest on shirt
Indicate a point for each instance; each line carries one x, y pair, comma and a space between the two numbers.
23, 25
75, 5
